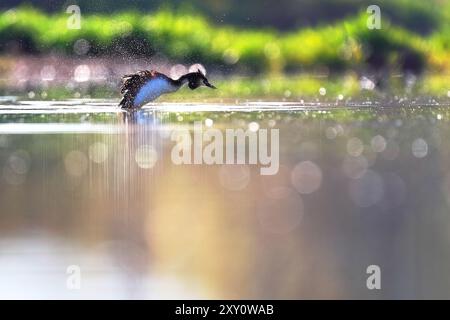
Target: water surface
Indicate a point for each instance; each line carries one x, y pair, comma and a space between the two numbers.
83, 183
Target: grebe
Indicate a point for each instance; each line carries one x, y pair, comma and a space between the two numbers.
145, 86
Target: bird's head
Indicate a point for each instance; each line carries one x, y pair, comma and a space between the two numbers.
197, 79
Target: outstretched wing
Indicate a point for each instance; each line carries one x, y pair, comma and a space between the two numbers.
131, 84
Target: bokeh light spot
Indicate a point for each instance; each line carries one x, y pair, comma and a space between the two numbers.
19, 161
378, 143
81, 47
331, 133
82, 73
196, 67
209, 122
306, 177
355, 147
253, 126
146, 156
419, 148
177, 71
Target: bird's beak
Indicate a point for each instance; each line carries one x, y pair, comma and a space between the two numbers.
209, 85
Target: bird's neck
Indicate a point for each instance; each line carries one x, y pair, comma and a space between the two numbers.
183, 79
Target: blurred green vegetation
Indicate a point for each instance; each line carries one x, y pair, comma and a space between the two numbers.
188, 38
419, 16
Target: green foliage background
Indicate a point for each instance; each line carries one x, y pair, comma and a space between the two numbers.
188, 37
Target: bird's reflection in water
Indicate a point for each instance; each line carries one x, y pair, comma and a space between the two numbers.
140, 117
136, 158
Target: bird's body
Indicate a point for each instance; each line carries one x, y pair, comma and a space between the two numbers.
145, 86
153, 88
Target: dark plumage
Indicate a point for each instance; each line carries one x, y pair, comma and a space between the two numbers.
131, 83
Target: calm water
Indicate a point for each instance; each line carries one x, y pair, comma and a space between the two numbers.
83, 184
